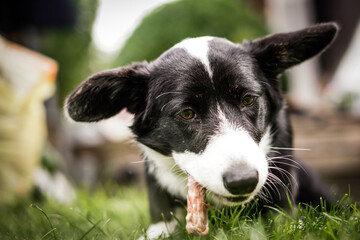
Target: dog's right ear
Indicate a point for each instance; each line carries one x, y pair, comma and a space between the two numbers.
106, 93
280, 51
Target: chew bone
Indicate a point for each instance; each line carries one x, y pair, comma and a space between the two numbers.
197, 209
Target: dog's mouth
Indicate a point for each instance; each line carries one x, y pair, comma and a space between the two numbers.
236, 200
225, 200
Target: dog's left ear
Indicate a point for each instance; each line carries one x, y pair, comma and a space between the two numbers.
277, 52
106, 93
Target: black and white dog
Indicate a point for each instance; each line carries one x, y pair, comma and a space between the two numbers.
212, 109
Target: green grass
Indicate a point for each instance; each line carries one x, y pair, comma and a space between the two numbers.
123, 214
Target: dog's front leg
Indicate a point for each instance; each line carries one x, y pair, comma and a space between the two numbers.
162, 207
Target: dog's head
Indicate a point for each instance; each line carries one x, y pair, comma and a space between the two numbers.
204, 107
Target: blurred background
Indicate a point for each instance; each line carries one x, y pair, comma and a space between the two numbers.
48, 47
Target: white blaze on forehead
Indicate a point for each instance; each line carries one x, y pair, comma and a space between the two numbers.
198, 48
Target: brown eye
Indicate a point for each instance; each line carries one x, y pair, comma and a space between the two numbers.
248, 100
188, 114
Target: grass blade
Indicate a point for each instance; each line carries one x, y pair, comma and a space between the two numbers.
48, 233
88, 231
46, 216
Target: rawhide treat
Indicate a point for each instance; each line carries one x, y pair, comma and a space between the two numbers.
197, 208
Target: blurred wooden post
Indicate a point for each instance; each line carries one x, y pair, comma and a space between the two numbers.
290, 15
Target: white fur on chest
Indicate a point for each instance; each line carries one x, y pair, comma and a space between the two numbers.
167, 173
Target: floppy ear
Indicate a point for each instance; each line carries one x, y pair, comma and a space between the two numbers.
106, 93
277, 52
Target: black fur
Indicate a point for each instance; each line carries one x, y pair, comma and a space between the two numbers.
157, 92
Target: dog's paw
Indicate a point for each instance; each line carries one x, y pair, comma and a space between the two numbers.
160, 229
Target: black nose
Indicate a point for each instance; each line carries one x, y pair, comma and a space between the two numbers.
239, 182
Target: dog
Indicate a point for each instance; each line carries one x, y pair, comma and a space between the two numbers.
212, 109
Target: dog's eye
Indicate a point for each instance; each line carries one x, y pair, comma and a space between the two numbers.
248, 100
188, 114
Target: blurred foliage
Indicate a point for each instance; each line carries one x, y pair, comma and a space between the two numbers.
160, 30
347, 100
71, 47
167, 25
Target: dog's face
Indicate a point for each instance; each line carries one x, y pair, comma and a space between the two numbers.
209, 111
205, 108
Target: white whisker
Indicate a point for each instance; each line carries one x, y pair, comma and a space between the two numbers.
287, 164
296, 149
297, 164
273, 187
136, 162
162, 108
278, 180
265, 194
285, 173
165, 93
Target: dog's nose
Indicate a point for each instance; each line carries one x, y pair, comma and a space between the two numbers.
240, 182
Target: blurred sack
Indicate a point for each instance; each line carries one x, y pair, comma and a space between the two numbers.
26, 80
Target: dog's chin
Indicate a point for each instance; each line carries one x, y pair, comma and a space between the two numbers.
229, 201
